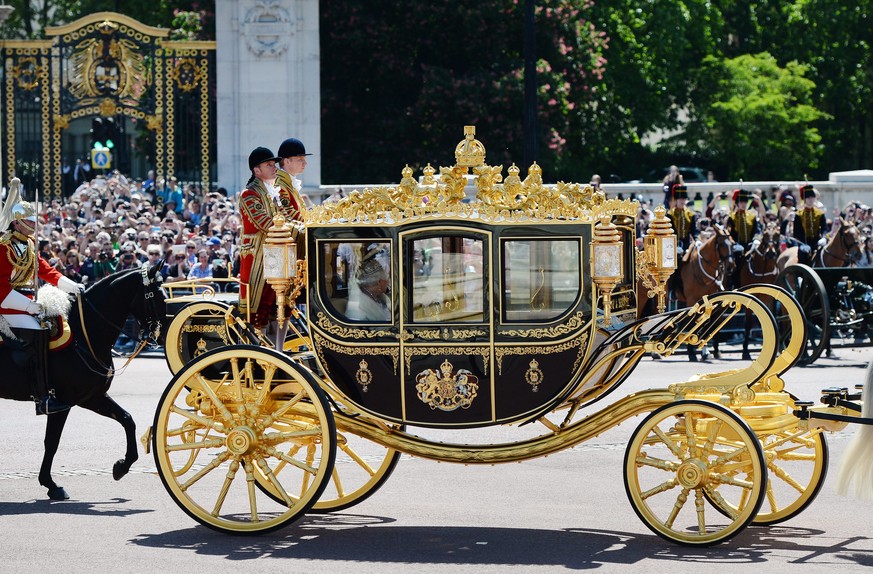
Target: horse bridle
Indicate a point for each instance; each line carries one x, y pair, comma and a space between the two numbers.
841, 234
153, 315
725, 243
757, 251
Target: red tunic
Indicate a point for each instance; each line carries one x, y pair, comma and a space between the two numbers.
15, 272
257, 209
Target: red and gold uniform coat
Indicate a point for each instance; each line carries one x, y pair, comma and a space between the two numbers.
18, 256
257, 209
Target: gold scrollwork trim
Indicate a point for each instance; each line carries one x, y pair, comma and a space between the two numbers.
573, 324
444, 333
575, 342
349, 333
410, 351
356, 350
219, 330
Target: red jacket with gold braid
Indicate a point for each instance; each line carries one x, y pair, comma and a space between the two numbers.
257, 209
17, 258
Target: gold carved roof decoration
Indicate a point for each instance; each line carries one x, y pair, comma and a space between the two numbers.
497, 200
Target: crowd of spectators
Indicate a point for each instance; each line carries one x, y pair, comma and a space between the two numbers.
112, 223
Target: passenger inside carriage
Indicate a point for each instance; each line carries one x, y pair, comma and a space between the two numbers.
368, 293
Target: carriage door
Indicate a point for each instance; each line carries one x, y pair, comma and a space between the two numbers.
446, 327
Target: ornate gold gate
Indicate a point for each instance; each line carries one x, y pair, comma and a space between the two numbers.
109, 66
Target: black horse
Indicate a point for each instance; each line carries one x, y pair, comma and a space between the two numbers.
82, 372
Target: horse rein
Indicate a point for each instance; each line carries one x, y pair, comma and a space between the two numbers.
151, 317
715, 280
847, 247
757, 251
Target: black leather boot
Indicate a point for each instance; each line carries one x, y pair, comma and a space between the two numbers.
36, 343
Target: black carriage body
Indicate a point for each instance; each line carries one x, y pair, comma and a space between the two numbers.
485, 324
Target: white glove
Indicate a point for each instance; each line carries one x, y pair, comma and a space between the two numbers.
679, 250
755, 243
738, 248
698, 244
67, 285
822, 242
20, 302
804, 247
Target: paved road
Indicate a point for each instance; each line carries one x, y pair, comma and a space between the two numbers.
565, 512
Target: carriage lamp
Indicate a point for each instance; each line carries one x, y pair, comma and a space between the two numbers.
658, 259
607, 254
280, 261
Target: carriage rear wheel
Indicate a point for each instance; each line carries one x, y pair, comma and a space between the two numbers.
232, 411
806, 287
684, 456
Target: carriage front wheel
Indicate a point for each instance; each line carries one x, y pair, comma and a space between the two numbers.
232, 417
686, 463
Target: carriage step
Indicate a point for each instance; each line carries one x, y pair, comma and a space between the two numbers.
146, 440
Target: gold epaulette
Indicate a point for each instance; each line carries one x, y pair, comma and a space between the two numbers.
6, 237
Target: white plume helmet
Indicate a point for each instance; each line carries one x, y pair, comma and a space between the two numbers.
13, 199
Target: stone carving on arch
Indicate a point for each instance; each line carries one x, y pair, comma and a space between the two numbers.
267, 28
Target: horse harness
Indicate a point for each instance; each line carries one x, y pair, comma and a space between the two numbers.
153, 320
847, 247
713, 278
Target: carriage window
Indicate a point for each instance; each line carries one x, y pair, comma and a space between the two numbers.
357, 280
541, 278
447, 280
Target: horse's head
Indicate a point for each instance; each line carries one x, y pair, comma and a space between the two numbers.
724, 244
770, 240
851, 241
151, 309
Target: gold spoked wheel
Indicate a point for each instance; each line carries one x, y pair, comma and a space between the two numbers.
685, 455
361, 468
230, 412
196, 329
797, 463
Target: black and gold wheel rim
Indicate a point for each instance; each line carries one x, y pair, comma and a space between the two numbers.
686, 464
233, 417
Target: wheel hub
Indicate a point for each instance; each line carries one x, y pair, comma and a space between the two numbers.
241, 440
691, 474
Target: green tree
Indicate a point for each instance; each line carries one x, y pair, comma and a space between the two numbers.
195, 20
757, 116
397, 89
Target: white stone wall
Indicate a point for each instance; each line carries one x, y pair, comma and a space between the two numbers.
268, 66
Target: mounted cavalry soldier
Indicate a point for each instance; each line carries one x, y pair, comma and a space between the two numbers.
811, 232
744, 227
20, 265
684, 221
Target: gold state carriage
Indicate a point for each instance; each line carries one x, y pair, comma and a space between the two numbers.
426, 309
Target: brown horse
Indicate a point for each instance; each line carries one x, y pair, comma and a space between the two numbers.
704, 268
703, 271
843, 249
759, 266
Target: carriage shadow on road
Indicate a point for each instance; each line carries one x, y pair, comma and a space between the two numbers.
362, 539
111, 507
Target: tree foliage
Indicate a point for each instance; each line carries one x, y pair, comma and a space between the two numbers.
756, 116
31, 17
